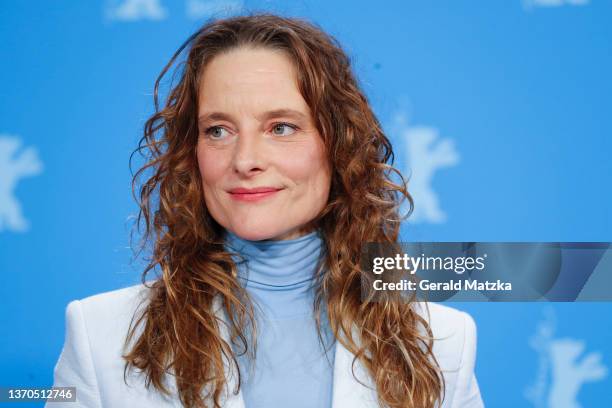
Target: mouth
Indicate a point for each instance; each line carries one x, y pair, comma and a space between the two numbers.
253, 194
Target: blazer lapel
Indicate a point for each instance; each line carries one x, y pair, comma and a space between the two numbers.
347, 391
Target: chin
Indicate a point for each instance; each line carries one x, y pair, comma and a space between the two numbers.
257, 233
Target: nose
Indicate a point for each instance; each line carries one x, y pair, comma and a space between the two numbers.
249, 156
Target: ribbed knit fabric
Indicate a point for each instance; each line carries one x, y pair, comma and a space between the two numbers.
290, 368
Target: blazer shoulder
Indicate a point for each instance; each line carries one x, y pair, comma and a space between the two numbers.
92, 358
108, 316
454, 347
454, 333
115, 300
445, 320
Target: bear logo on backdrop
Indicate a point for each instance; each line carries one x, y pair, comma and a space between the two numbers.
554, 3
136, 10
425, 153
563, 367
15, 164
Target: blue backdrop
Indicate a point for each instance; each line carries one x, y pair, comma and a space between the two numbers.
498, 110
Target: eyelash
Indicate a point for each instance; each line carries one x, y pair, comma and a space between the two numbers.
209, 130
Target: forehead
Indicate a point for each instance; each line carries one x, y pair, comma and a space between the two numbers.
253, 77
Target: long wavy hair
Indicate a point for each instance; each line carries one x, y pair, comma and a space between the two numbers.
178, 331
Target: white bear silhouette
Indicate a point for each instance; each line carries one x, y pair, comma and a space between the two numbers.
426, 154
569, 372
554, 3
12, 168
561, 371
134, 10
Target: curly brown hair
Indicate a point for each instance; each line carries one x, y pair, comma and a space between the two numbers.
180, 332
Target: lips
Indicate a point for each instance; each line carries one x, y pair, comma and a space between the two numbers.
253, 194
253, 190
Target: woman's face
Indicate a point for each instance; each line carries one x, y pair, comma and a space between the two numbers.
263, 163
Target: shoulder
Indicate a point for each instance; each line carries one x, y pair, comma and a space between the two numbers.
92, 356
454, 333
106, 317
115, 298
447, 323
454, 347
116, 304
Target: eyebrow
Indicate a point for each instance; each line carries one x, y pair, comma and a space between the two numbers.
264, 116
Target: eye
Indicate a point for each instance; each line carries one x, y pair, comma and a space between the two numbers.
215, 132
283, 129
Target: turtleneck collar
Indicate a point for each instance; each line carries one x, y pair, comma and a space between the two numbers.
278, 274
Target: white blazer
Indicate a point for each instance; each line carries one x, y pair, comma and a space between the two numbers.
96, 328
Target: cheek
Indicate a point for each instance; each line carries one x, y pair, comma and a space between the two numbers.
210, 165
321, 184
310, 170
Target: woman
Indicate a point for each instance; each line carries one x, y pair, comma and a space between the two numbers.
268, 173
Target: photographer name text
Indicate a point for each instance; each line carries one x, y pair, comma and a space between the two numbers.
452, 285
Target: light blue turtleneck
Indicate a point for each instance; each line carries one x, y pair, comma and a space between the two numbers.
290, 368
